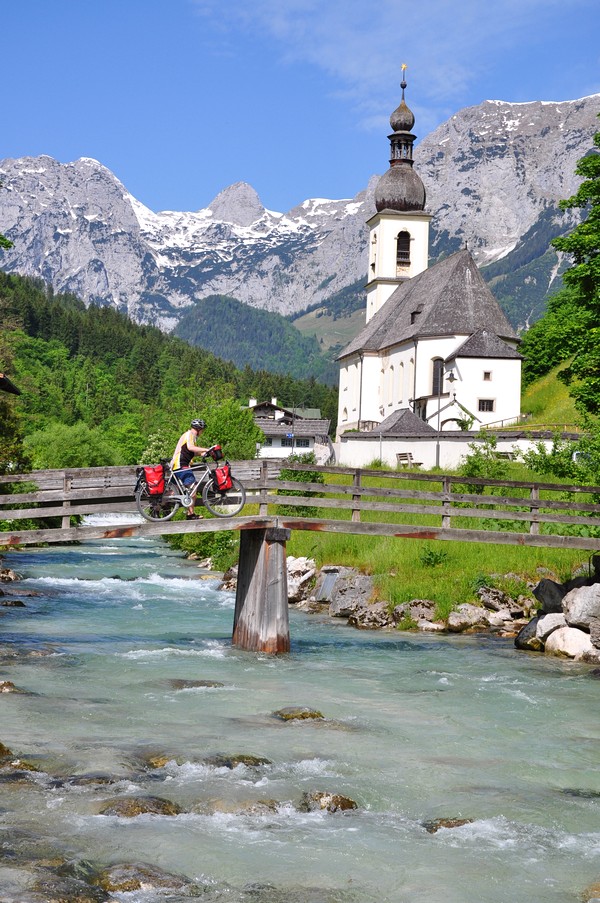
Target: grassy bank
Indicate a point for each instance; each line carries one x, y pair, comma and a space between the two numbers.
448, 573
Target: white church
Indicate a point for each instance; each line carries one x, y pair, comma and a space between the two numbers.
437, 359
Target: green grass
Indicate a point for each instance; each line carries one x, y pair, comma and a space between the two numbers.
448, 573
549, 402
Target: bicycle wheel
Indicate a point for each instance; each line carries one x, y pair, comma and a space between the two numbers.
155, 507
224, 504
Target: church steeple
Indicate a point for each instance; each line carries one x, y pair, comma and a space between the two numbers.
400, 188
399, 231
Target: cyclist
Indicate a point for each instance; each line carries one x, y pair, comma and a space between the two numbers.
187, 448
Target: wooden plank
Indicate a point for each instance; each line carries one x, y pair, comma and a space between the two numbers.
412, 531
71, 510
83, 533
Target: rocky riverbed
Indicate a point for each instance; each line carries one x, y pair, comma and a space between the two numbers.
560, 619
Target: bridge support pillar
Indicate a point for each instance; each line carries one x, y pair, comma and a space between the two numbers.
261, 620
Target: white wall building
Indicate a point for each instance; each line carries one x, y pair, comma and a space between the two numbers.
436, 343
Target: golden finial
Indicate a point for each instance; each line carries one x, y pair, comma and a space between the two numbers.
403, 82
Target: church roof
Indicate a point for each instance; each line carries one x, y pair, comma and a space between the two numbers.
484, 343
449, 298
404, 423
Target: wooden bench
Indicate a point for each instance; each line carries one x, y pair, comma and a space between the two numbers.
405, 459
505, 455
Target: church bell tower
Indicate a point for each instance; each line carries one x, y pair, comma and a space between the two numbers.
399, 231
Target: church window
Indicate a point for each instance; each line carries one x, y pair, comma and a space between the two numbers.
345, 415
438, 376
402, 251
400, 390
486, 404
487, 376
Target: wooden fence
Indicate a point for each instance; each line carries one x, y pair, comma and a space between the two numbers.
377, 503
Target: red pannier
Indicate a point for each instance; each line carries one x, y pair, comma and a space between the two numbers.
216, 453
155, 479
222, 478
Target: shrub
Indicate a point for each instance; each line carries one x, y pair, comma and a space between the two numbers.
430, 557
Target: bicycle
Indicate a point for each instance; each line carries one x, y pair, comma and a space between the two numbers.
159, 505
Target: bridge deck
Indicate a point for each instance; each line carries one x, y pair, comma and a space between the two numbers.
364, 502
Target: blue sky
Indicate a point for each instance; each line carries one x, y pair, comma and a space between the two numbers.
181, 98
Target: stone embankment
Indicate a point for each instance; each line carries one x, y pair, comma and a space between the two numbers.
557, 619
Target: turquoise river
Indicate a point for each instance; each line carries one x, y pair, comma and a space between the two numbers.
415, 728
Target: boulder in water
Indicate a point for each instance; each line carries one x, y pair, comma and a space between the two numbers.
433, 826
569, 642
128, 877
297, 713
7, 575
223, 761
315, 800
181, 684
131, 806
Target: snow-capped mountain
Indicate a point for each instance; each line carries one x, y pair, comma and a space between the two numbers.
491, 172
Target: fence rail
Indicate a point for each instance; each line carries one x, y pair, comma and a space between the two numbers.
350, 500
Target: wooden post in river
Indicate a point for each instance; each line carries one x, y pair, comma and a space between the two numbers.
261, 620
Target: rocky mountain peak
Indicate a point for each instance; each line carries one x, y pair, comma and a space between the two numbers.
239, 204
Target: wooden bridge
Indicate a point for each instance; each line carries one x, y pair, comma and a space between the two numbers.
374, 503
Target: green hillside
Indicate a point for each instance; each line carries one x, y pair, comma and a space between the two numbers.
254, 338
98, 389
548, 402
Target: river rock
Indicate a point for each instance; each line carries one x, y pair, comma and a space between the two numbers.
371, 617
5, 753
131, 806
229, 581
498, 600
222, 761
570, 642
550, 594
430, 626
467, 617
300, 574
433, 826
527, 637
7, 575
7, 686
595, 632
546, 624
581, 605
54, 889
315, 800
7, 602
297, 713
180, 684
592, 893
344, 589
128, 877
416, 610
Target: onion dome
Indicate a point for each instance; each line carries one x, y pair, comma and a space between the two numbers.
401, 188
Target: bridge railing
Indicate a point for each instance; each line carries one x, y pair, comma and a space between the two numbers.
351, 500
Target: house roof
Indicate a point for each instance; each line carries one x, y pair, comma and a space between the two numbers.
449, 298
404, 422
300, 427
484, 343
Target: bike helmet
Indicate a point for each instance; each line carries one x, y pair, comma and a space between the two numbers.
198, 424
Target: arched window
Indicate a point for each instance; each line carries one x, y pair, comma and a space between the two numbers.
403, 251
438, 376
